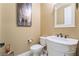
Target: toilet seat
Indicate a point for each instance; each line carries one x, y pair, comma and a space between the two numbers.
36, 46
36, 49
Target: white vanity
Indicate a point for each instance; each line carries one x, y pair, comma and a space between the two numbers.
58, 46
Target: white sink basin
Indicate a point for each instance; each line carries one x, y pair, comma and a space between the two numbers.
58, 46
66, 41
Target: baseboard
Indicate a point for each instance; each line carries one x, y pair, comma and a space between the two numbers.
28, 53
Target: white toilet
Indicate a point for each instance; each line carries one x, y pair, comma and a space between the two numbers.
37, 48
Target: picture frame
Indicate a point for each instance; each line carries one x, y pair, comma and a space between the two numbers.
24, 14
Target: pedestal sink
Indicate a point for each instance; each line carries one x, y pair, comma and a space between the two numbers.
59, 46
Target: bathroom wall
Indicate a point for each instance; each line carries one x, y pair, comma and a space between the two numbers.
16, 36
1, 40
0, 22
47, 23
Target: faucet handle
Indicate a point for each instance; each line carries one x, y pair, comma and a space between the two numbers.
61, 35
66, 36
57, 35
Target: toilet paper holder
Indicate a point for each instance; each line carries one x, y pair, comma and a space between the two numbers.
29, 40
2, 44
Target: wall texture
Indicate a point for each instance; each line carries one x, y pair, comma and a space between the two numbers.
18, 37
0, 22
47, 23
1, 40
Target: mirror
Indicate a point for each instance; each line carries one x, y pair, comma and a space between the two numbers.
65, 15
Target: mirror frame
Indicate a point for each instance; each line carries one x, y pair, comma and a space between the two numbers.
73, 20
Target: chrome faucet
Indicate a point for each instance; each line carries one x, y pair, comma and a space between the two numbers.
57, 35
66, 36
60, 35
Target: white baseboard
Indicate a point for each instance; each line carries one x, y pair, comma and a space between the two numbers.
28, 53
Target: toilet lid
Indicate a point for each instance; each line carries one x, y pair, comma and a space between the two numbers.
36, 46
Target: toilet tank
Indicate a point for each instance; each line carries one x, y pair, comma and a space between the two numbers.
43, 41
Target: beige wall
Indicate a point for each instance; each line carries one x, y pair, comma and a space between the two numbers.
0, 23
1, 49
18, 36
47, 23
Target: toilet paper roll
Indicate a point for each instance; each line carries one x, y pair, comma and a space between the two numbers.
30, 41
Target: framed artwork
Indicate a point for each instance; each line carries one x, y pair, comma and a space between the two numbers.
24, 14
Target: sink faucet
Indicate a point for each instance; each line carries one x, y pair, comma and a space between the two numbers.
66, 36
57, 35
60, 34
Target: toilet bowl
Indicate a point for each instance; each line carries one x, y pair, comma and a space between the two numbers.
37, 49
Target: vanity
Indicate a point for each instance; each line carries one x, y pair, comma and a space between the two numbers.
60, 46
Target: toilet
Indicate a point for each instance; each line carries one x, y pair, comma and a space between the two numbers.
37, 49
